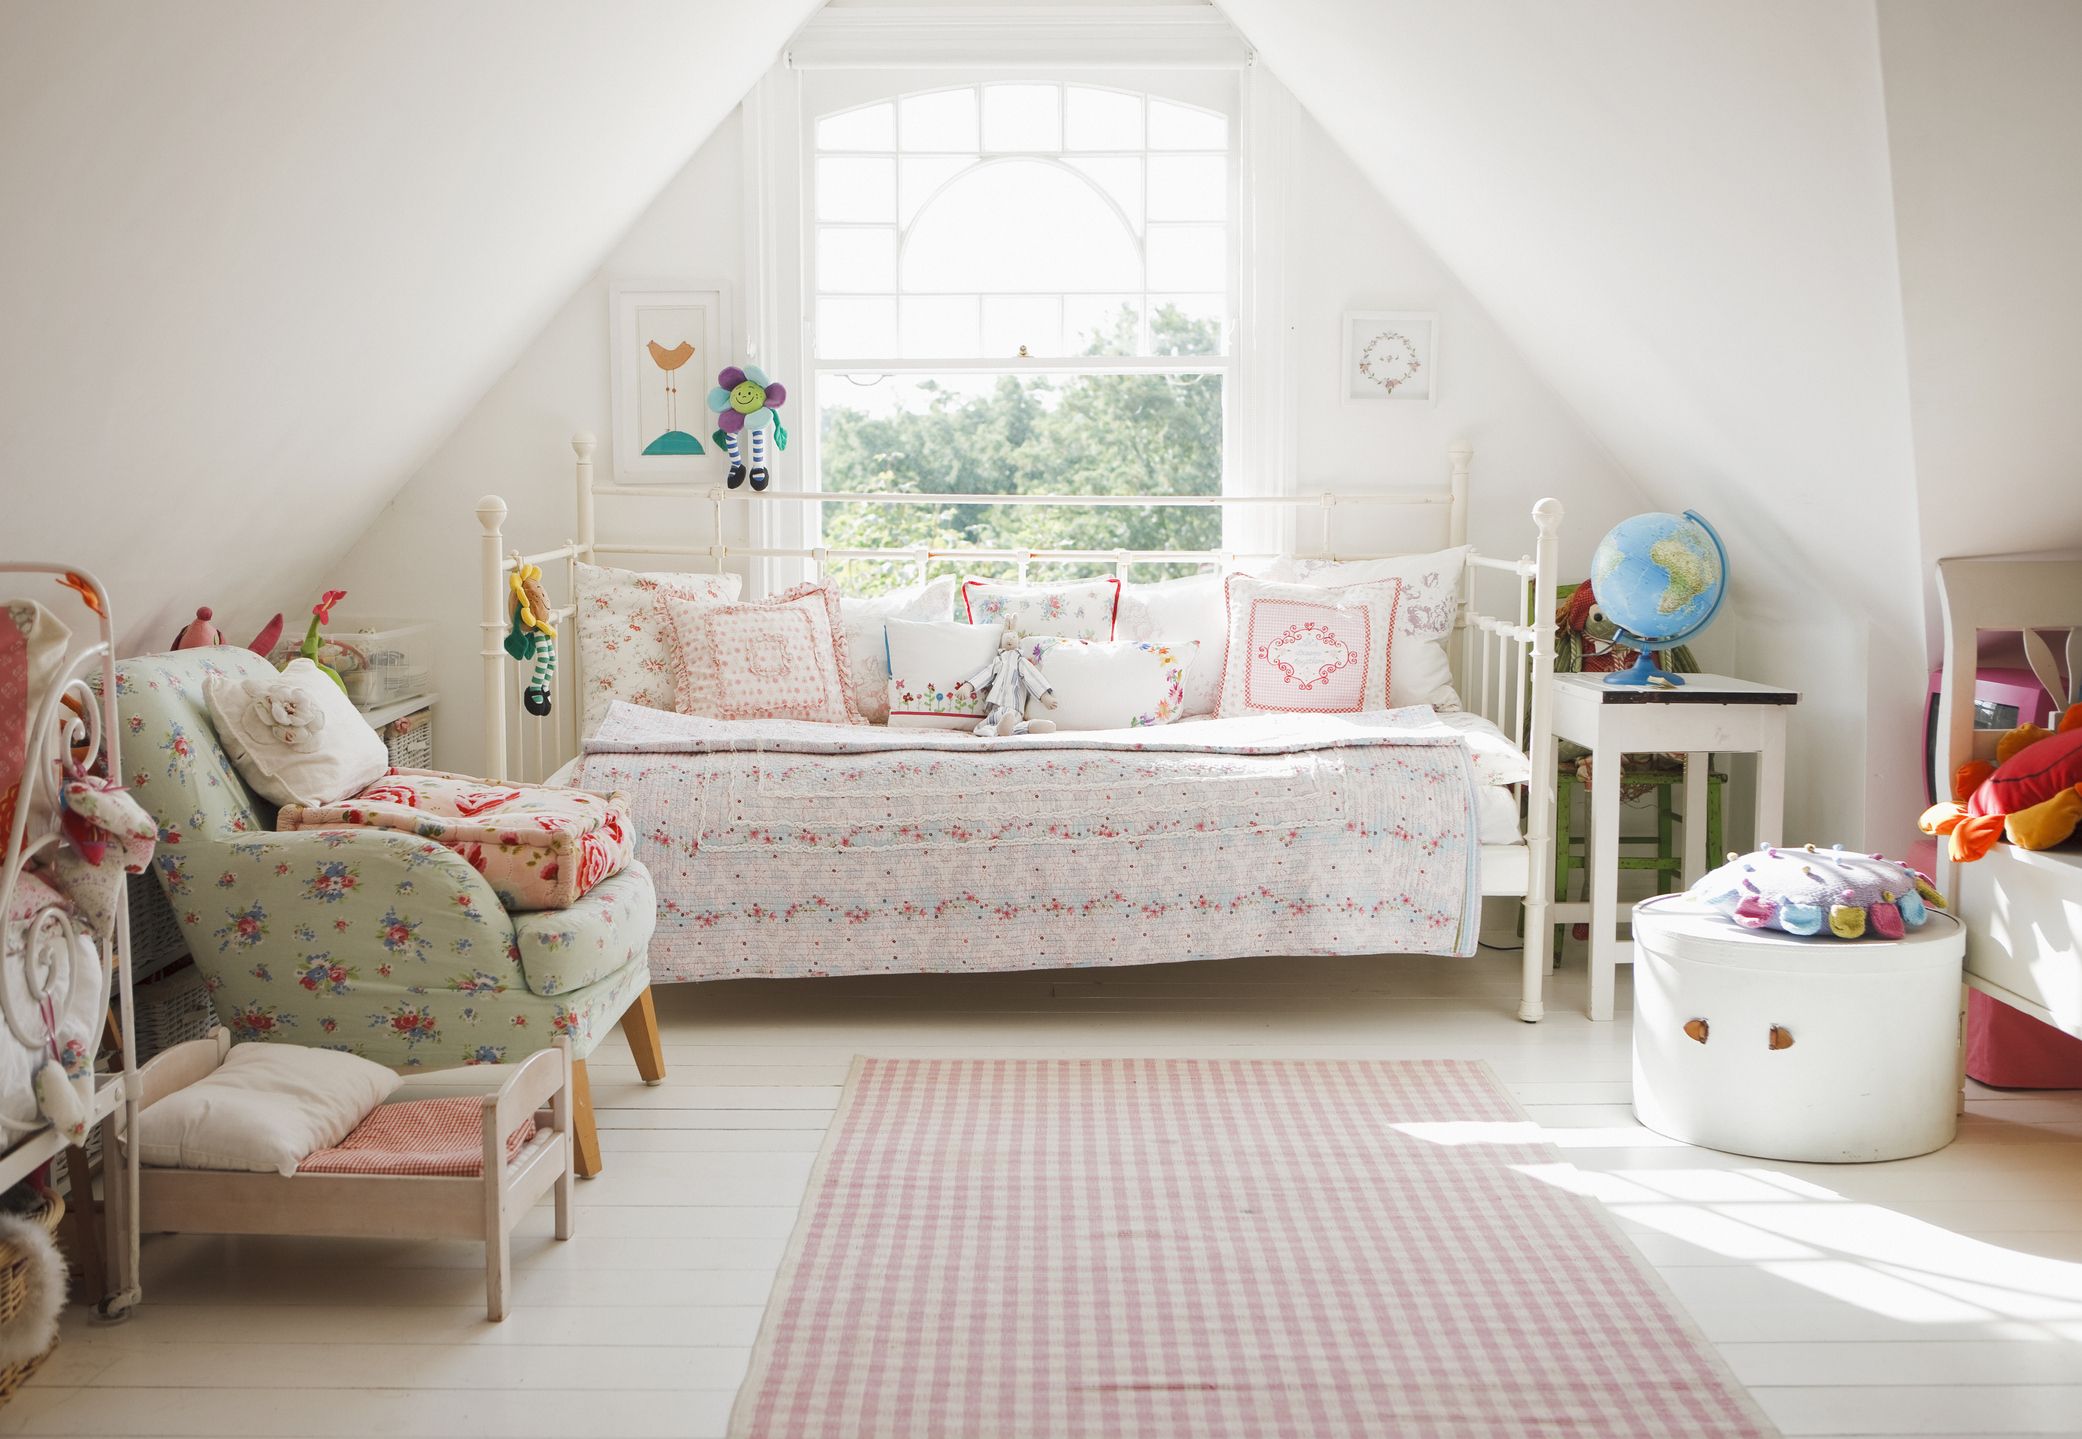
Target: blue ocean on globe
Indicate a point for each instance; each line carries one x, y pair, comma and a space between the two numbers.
1660, 577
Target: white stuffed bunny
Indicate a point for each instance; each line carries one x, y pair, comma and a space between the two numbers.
1009, 682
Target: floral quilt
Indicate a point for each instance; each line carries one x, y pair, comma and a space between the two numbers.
782, 848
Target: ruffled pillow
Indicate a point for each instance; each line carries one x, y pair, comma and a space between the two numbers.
783, 658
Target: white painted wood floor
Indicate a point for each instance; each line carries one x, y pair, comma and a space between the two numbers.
1940, 1295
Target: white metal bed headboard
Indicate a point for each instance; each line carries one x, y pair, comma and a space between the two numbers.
1504, 659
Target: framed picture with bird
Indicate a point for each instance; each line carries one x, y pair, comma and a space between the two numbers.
665, 339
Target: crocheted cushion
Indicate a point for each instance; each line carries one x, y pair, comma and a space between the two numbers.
1831, 892
420, 1136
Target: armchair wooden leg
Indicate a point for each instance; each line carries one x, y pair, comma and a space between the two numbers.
585, 1138
640, 1026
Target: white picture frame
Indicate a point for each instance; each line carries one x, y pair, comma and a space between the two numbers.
1391, 355
662, 424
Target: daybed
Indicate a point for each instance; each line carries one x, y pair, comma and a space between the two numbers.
787, 849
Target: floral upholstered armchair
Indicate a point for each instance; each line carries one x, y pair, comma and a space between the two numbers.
373, 941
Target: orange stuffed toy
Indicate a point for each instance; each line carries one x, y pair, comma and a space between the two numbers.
2032, 795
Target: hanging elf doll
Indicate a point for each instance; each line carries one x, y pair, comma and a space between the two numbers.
532, 636
746, 405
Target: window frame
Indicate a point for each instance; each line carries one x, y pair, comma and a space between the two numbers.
822, 93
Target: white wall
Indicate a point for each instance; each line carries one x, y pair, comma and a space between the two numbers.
257, 258
1347, 249
1984, 115
1682, 214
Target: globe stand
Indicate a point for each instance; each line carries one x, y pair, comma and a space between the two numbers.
1644, 670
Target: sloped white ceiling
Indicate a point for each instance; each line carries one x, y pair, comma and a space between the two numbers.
259, 258
1682, 213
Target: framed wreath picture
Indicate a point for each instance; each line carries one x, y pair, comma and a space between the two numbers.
1391, 355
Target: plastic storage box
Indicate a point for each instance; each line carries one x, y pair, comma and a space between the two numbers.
1783, 1047
381, 661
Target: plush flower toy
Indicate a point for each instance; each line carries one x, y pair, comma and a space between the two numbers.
2031, 795
745, 402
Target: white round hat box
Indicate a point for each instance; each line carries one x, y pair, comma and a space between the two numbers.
1797, 1048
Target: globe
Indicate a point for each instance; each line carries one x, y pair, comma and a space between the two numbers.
1660, 579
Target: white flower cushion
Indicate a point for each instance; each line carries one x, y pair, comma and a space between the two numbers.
1422, 675
263, 1109
1085, 610
623, 642
782, 658
1118, 684
295, 737
867, 654
1300, 649
928, 660
1177, 612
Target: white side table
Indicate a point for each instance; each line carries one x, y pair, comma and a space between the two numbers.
1706, 714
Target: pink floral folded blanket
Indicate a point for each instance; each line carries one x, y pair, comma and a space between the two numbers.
538, 847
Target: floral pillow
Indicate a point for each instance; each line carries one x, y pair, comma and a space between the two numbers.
867, 652
783, 658
623, 649
1178, 612
1082, 611
1423, 672
1297, 649
538, 846
928, 661
1119, 684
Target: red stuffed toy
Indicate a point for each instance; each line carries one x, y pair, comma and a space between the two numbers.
2032, 796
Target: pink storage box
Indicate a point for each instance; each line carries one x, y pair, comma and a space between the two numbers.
539, 847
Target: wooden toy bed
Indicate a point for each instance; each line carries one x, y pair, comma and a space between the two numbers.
377, 1206
1503, 665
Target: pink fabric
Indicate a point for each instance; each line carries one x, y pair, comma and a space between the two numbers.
538, 846
1293, 649
442, 1137
1212, 1248
782, 658
2010, 1049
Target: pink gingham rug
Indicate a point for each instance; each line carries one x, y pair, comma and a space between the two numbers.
1209, 1249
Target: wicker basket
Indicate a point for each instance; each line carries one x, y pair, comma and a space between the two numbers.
155, 931
410, 740
173, 1009
14, 1289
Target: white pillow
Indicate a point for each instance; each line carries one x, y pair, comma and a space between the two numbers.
623, 652
1298, 649
928, 660
867, 657
265, 1109
1421, 674
1118, 684
295, 736
1085, 610
1177, 612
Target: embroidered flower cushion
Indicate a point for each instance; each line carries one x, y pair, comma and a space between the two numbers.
624, 650
1178, 612
539, 847
928, 661
1299, 649
294, 737
867, 652
1422, 674
783, 658
1082, 611
1121, 684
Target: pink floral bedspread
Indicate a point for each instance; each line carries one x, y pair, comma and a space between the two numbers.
782, 848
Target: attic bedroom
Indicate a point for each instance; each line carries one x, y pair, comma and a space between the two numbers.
1200, 718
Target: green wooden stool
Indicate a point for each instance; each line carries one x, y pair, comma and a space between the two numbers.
1665, 863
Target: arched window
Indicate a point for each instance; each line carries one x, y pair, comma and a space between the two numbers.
1022, 286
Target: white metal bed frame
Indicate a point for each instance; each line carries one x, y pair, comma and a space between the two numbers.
88, 678
1504, 660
